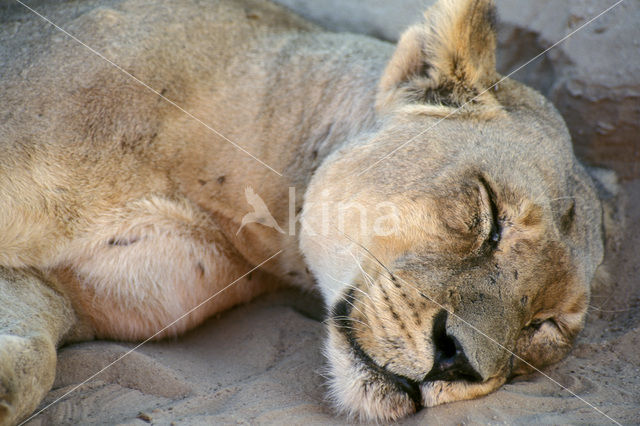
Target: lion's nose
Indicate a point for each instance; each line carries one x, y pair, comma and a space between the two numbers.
450, 362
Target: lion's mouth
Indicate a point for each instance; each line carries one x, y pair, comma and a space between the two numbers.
340, 314
450, 363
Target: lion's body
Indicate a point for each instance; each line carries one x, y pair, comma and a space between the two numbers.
102, 155
126, 197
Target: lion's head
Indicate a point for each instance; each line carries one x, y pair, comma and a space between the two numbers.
486, 236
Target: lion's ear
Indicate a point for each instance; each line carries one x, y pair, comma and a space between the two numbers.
447, 60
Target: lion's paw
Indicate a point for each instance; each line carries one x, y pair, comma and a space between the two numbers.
27, 371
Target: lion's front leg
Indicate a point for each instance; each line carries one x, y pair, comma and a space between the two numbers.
33, 319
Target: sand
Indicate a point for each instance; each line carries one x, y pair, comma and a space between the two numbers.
262, 363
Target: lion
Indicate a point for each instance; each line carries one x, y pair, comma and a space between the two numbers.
437, 206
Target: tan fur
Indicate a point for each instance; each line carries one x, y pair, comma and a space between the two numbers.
119, 212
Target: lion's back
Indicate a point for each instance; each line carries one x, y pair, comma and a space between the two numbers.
81, 108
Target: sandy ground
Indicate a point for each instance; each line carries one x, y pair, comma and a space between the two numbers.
261, 363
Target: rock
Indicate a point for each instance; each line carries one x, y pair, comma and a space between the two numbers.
593, 77
383, 19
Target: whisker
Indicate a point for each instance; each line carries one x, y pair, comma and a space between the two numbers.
338, 294
348, 327
369, 252
361, 291
368, 278
349, 319
351, 285
354, 307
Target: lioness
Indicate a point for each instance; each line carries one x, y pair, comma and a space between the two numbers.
127, 163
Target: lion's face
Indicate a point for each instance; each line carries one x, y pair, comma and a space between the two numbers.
485, 275
480, 268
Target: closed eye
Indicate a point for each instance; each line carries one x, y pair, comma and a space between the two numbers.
495, 232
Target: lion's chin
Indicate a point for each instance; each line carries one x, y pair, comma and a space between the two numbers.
365, 394
362, 397
440, 392
376, 401
360, 392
